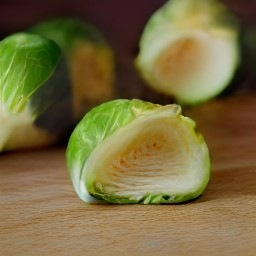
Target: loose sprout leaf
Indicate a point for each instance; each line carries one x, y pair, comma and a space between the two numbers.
132, 151
26, 63
189, 49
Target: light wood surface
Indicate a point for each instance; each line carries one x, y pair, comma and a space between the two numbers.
41, 214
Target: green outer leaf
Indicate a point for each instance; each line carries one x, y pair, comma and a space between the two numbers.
26, 62
66, 32
176, 14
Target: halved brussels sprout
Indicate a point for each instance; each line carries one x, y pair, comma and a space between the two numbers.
132, 151
189, 49
89, 60
26, 63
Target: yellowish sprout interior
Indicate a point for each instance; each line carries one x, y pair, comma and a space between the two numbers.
153, 155
178, 60
92, 75
189, 59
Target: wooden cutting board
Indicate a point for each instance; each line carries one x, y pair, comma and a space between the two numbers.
41, 214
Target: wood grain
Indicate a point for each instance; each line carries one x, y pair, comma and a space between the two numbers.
41, 214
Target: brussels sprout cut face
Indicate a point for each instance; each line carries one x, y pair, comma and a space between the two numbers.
154, 157
189, 49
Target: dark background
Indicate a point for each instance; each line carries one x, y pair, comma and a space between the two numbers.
121, 22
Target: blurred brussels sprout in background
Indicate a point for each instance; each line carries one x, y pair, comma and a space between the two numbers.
190, 50
132, 151
87, 57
